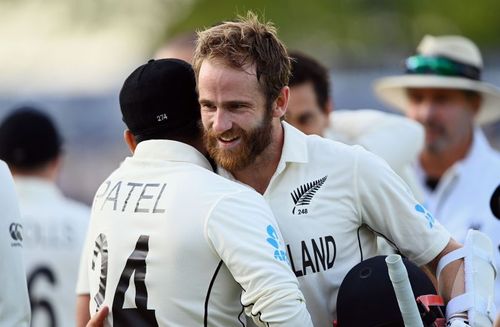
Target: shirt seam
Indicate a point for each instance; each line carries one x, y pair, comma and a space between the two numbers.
356, 188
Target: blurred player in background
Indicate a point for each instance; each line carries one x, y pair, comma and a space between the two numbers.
14, 302
54, 226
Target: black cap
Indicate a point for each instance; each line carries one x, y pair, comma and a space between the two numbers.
28, 138
495, 202
366, 296
160, 96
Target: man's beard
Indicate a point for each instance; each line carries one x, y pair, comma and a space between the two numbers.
252, 144
440, 142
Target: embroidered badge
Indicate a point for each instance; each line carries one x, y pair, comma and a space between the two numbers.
430, 219
303, 195
273, 239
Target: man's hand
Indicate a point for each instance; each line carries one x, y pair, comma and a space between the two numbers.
457, 323
98, 319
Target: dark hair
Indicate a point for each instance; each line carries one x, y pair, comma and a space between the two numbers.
159, 101
29, 139
190, 133
247, 41
307, 69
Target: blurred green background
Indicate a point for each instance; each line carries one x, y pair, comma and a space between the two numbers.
353, 33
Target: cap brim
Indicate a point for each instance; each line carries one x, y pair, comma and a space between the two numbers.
392, 90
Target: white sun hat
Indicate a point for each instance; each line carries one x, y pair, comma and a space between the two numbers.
452, 62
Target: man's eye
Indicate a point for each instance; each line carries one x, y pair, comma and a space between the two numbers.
442, 99
235, 106
207, 106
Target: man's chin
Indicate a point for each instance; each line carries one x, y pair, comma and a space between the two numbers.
229, 161
436, 148
231, 165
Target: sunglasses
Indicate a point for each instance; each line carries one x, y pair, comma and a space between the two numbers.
440, 66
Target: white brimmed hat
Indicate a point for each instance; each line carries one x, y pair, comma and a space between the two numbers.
452, 62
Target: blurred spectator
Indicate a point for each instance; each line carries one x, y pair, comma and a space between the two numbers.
396, 139
14, 304
458, 170
54, 226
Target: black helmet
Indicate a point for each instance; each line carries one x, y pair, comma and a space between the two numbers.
366, 296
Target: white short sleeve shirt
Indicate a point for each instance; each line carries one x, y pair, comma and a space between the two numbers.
331, 200
14, 303
396, 139
174, 244
54, 232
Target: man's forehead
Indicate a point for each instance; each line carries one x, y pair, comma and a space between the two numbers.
223, 78
248, 68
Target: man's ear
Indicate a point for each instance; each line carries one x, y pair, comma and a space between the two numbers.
281, 102
130, 140
328, 107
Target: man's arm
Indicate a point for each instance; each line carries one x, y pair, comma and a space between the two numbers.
82, 286
82, 310
466, 280
253, 250
451, 281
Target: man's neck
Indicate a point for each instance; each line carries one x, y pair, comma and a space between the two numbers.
436, 164
47, 172
259, 174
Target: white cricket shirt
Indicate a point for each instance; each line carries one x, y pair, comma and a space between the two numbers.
54, 231
14, 303
173, 244
396, 139
331, 200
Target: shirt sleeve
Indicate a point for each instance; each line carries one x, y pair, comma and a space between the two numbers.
388, 207
396, 139
82, 284
14, 302
243, 232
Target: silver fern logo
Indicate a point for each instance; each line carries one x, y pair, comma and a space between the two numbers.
303, 195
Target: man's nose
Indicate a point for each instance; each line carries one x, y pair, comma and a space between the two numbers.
222, 121
426, 111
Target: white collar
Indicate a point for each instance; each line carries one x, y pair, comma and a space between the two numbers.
28, 186
168, 150
294, 145
474, 158
294, 150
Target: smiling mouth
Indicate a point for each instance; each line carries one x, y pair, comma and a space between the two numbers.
228, 142
227, 139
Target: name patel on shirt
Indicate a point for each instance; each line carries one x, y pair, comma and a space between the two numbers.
315, 255
131, 197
